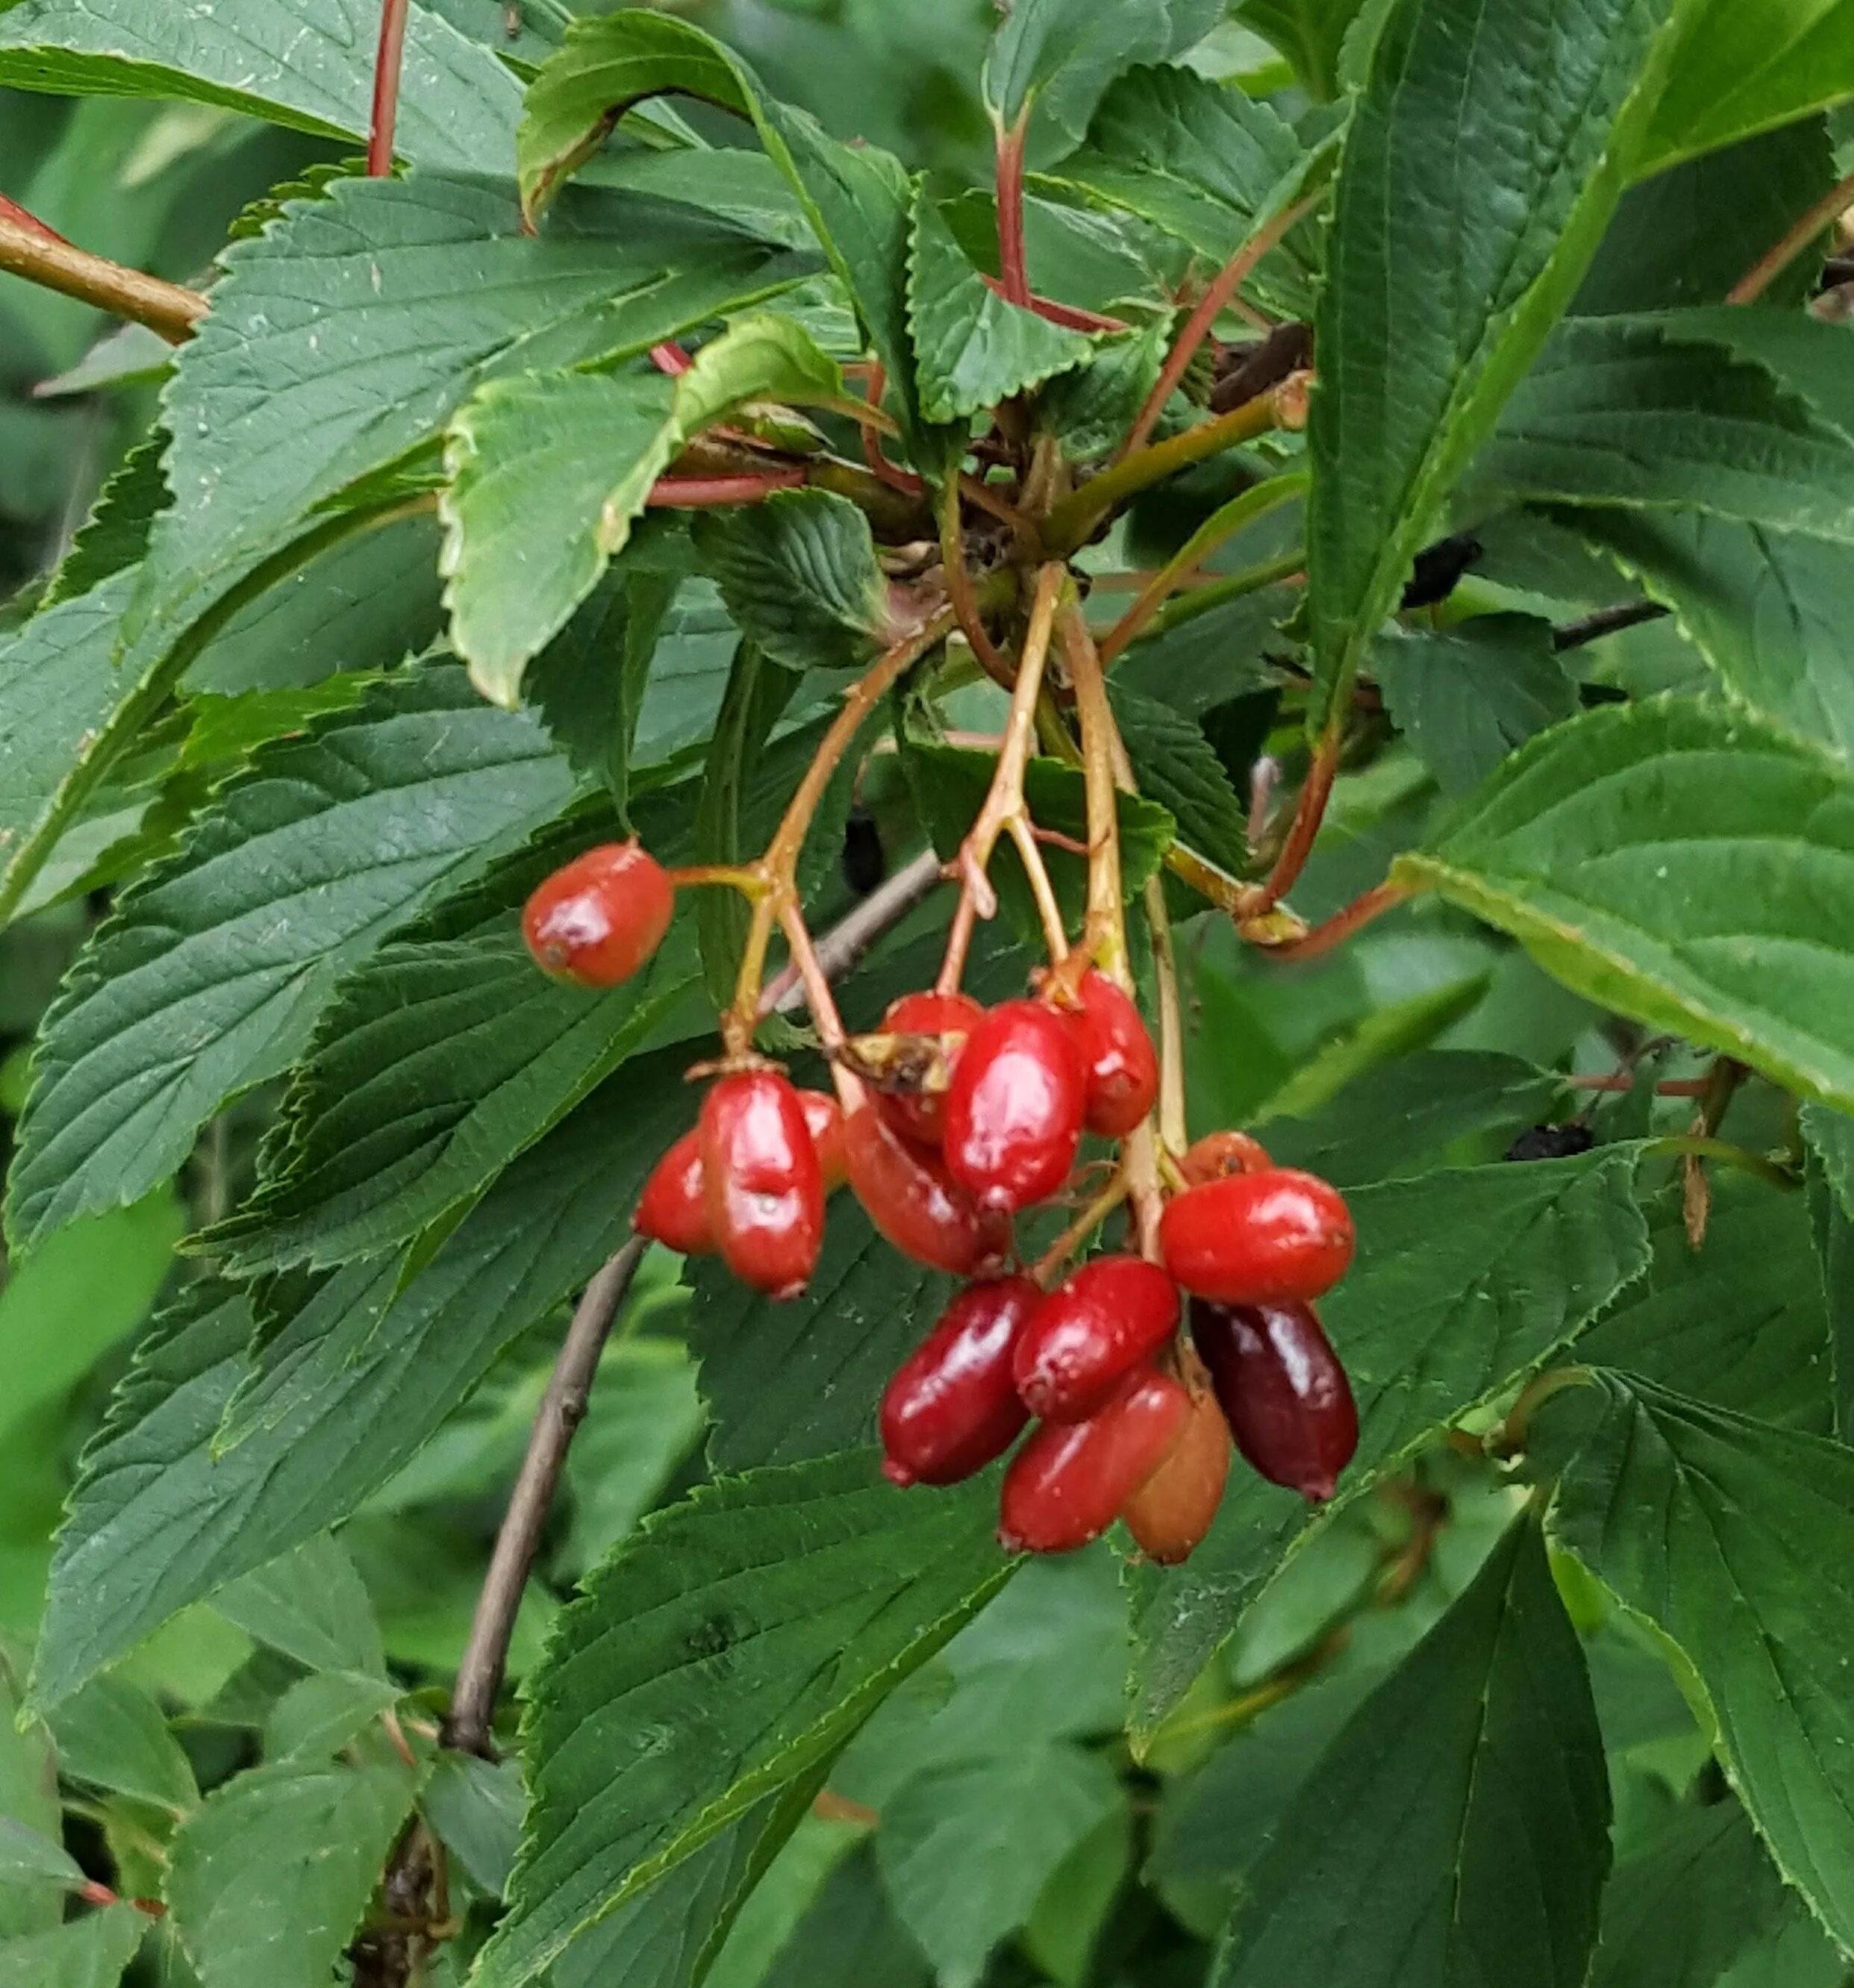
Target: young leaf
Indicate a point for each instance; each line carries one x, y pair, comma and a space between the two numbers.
733, 1644
1090, 408
1718, 1529
230, 947
971, 349
88, 1952
1056, 56
113, 1735
1681, 863
1412, 1852
1465, 697
1467, 1280
1527, 111
247, 1904
457, 103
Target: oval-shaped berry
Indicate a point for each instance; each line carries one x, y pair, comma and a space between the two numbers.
1093, 1329
1014, 1109
1221, 1153
1170, 1514
1117, 1054
1284, 1392
673, 1208
763, 1185
825, 1120
907, 1194
598, 919
952, 1406
1067, 1484
919, 1110
1258, 1238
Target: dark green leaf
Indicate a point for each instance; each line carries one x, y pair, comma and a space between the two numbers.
1718, 1530
1466, 1281
228, 948
1308, 33
1680, 864
851, 1934
115, 536
319, 1715
1177, 767
476, 1807
113, 1735
1456, 1830
1090, 408
733, 1644
1525, 111
312, 1605
1058, 56
1831, 1194
800, 577
89, 1952
1466, 698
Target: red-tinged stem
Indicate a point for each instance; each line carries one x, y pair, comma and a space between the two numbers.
1820, 217
1309, 812
1227, 282
1673, 1087
670, 358
1341, 926
11, 210
1105, 941
959, 589
1071, 317
1010, 210
903, 480
386, 66
702, 493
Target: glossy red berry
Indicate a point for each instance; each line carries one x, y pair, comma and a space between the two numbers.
952, 1407
908, 1196
1118, 1055
1170, 1514
1284, 1392
825, 1120
1258, 1238
599, 918
1013, 1109
673, 1208
1068, 1482
1099, 1323
1221, 1153
918, 1110
764, 1188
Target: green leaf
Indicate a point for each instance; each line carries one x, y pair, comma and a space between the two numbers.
1308, 33
1058, 56
1465, 698
1416, 1849
736, 1641
1090, 408
966, 1849
312, 1605
229, 948
1831, 1193
1679, 1912
351, 1384
1715, 1529
113, 1735
972, 349
475, 1806
319, 1714
31, 1822
1679, 863
1467, 1280
1739, 72
89, 1952
1177, 767
800, 577
1526, 112
457, 103
1642, 412
851, 1934
247, 1902
645, 1418
28, 1857
115, 536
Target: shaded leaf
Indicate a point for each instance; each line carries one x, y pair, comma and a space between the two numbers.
800, 577
475, 1806
1058, 56
113, 1735
312, 1605
319, 1714
88, 1952
1090, 408
1177, 767
1310, 33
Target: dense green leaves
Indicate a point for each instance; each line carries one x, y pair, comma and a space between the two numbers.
1418, 1848
1059, 54
1309, 32
1742, 70
737, 1641
1524, 111
1689, 867
89, 1952
1717, 1529
800, 577
226, 952
113, 1735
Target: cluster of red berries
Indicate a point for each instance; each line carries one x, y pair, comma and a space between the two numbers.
970, 1116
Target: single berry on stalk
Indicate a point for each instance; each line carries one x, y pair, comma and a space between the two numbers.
598, 919
673, 1208
764, 1187
918, 1111
907, 1194
1105, 1319
1013, 1109
1117, 1054
1258, 1238
952, 1407
1068, 1482
1170, 1514
1221, 1153
1283, 1390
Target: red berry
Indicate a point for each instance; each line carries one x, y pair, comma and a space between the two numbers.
1223, 1153
1066, 1484
907, 1196
673, 1208
1284, 1393
951, 1407
1102, 1321
1170, 1514
1014, 1110
599, 918
919, 1114
765, 1190
825, 1120
1258, 1238
1122, 1066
